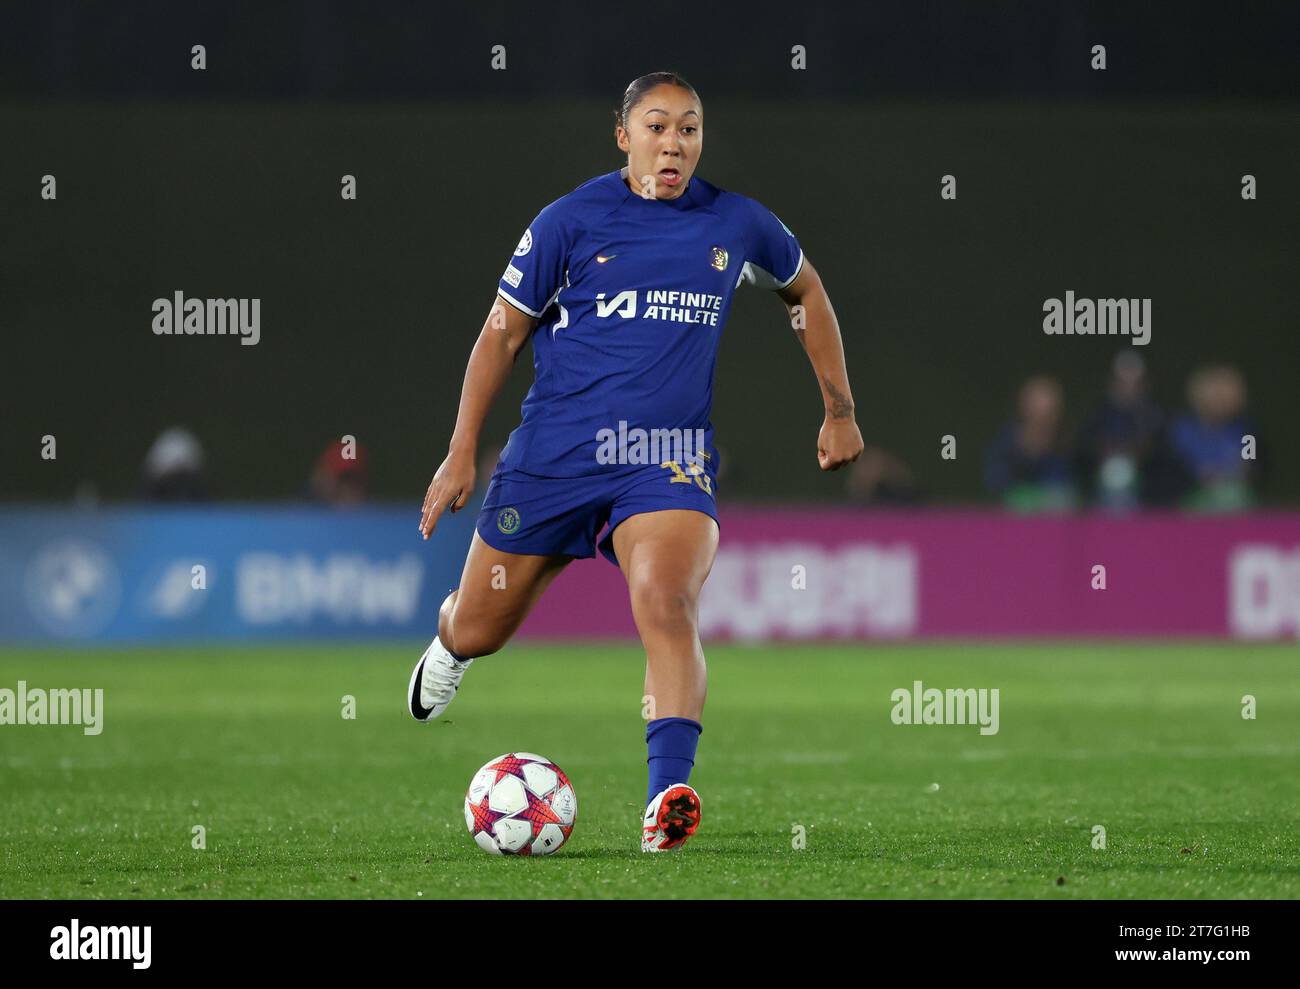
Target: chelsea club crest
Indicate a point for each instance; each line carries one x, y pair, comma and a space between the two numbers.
508, 520
718, 258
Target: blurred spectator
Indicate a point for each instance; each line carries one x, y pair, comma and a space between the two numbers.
1208, 439
173, 468
1123, 450
1026, 465
340, 480
878, 477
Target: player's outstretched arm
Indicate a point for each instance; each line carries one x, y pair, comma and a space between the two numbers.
839, 441
504, 333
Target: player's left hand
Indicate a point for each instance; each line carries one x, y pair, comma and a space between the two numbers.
838, 443
450, 488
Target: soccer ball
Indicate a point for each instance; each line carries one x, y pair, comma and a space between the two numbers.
520, 804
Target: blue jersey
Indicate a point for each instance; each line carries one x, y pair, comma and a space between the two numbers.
631, 295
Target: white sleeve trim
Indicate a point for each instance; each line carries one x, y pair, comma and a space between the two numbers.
761, 277
797, 268
516, 303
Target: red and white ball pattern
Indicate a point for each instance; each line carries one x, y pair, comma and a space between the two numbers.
520, 804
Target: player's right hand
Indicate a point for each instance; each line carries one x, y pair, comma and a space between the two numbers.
450, 488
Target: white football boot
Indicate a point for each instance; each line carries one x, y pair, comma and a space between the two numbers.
671, 818
434, 682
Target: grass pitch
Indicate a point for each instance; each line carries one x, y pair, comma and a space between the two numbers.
1144, 740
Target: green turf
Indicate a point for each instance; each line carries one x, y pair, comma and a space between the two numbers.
1145, 740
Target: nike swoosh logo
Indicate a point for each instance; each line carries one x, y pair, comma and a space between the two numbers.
602, 258
419, 710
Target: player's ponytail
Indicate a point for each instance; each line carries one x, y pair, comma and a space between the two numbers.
637, 88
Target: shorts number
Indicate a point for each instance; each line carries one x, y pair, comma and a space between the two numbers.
693, 472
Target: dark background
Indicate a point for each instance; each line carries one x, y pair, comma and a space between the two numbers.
225, 183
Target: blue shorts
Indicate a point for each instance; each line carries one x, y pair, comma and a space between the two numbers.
561, 516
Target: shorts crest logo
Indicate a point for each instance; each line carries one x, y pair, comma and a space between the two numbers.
508, 521
718, 258
525, 243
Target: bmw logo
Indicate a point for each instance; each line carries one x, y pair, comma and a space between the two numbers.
73, 588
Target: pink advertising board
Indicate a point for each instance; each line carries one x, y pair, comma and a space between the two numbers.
844, 573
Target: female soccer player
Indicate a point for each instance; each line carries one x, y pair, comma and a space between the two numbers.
623, 286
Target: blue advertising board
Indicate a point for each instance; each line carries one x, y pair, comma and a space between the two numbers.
159, 574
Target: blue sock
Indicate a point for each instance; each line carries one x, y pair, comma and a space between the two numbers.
672, 743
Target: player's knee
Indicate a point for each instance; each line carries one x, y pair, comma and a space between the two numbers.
665, 608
